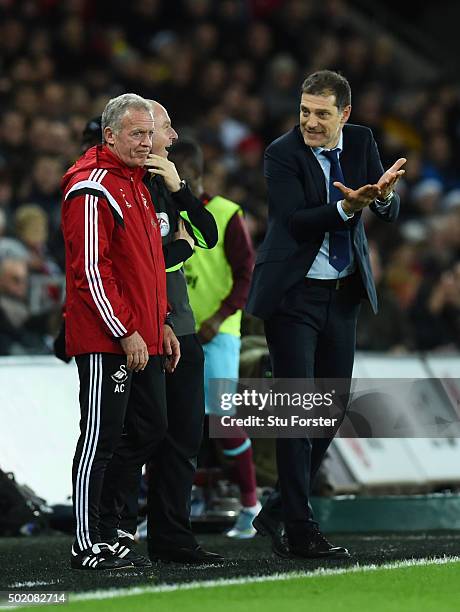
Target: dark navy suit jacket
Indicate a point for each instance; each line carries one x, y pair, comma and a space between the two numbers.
299, 216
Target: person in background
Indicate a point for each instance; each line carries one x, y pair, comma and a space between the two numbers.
21, 332
184, 223
218, 283
390, 331
435, 314
31, 228
14, 311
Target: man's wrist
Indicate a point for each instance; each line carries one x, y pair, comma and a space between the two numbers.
386, 199
346, 215
180, 187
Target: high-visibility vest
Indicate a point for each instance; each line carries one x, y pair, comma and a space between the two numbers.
208, 273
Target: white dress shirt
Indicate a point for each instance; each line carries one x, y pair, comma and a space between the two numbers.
321, 268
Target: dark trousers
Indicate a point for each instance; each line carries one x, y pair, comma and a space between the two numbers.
171, 469
123, 419
311, 335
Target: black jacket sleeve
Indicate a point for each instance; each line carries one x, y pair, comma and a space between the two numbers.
287, 201
203, 225
176, 252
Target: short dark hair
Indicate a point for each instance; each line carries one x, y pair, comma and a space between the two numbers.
92, 134
326, 83
188, 157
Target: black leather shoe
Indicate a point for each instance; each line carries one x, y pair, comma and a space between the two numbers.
195, 555
280, 545
266, 525
316, 546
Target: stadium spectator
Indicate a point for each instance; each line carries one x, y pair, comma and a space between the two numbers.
390, 331
13, 148
31, 228
63, 61
21, 332
436, 312
42, 187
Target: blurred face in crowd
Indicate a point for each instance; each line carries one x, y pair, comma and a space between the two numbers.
164, 134
321, 121
133, 141
13, 128
47, 173
31, 225
14, 278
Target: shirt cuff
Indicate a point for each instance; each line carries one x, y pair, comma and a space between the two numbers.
185, 200
386, 202
342, 213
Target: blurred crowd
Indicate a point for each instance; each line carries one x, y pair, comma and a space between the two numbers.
229, 73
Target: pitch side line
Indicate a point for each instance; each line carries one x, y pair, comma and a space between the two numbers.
124, 592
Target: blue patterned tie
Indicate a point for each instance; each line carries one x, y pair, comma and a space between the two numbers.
339, 241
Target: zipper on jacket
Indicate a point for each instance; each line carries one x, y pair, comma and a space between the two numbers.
144, 212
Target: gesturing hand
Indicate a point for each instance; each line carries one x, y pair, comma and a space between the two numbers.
171, 348
165, 168
136, 351
357, 199
389, 178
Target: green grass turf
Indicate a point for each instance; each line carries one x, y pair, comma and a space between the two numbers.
410, 589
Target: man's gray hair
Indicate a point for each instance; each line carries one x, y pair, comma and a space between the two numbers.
117, 108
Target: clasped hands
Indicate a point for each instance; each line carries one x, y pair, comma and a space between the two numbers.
357, 199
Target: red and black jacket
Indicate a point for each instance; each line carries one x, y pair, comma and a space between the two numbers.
115, 271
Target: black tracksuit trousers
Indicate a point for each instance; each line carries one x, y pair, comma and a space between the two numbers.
172, 466
123, 420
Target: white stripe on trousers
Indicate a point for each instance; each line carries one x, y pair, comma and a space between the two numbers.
88, 451
95, 377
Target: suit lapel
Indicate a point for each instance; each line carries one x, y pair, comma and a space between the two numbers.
348, 161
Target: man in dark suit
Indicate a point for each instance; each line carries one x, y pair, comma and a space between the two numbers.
311, 272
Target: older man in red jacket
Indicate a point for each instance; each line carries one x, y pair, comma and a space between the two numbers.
115, 324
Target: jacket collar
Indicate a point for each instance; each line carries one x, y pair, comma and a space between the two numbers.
108, 160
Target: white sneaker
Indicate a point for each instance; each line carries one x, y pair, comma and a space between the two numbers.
141, 533
243, 529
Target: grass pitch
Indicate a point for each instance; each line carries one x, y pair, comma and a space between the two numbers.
387, 573
419, 588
